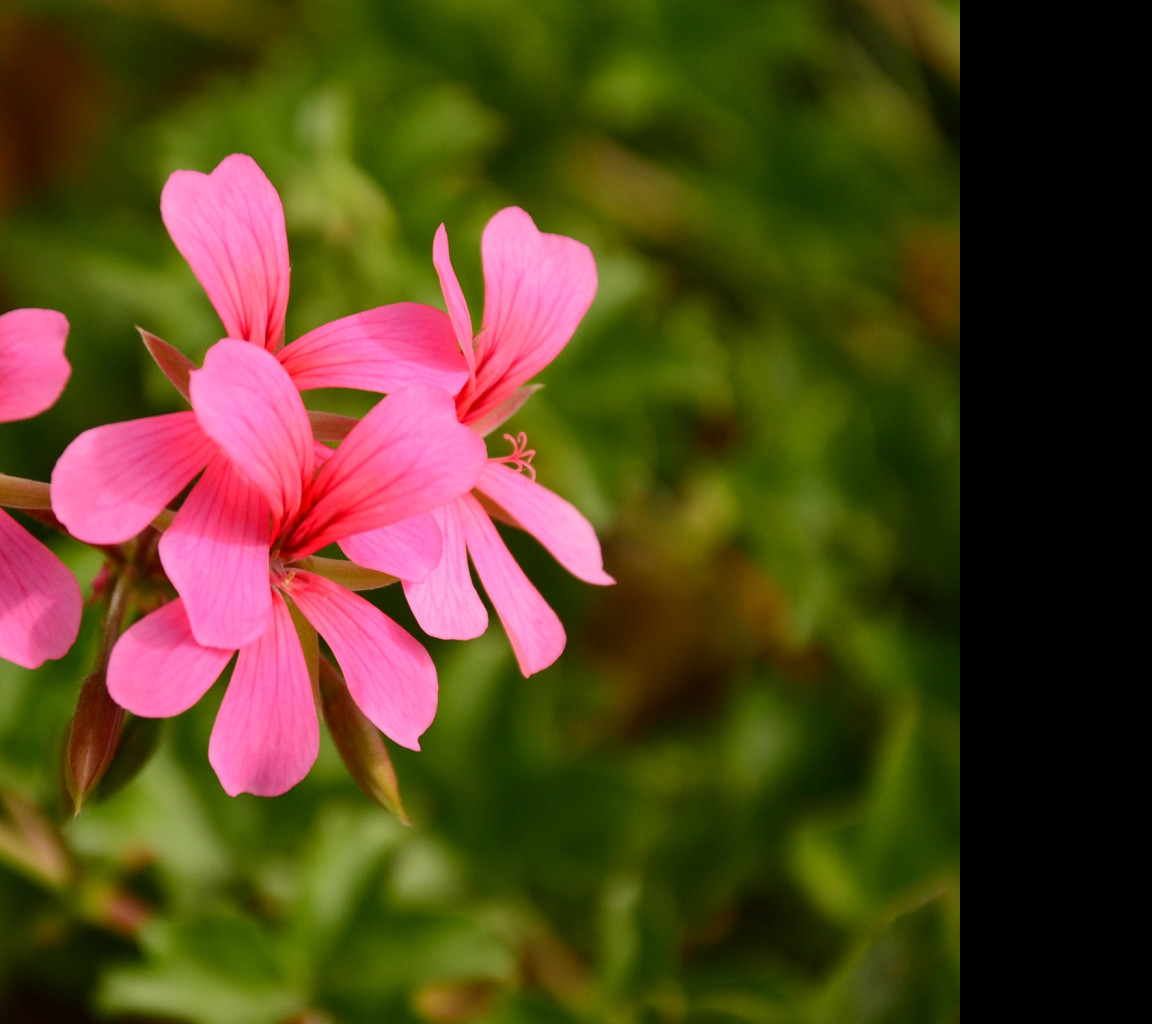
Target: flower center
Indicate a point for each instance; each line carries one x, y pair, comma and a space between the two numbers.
521, 456
280, 573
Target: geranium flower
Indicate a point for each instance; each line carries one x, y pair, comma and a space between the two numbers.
40, 599
112, 481
266, 499
537, 289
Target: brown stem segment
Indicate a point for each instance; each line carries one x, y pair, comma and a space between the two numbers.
16, 492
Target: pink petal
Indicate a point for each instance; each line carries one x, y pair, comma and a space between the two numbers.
229, 226
33, 370
446, 603
266, 735
389, 674
39, 599
383, 349
454, 298
247, 404
409, 549
549, 518
157, 668
216, 555
113, 481
536, 633
537, 289
407, 456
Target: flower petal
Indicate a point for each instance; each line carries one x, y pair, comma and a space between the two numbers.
446, 603
454, 297
157, 668
382, 349
390, 675
39, 599
33, 370
549, 518
112, 481
266, 735
407, 456
537, 289
247, 404
409, 549
229, 226
216, 555
534, 629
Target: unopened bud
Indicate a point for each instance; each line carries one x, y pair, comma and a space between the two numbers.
92, 738
359, 742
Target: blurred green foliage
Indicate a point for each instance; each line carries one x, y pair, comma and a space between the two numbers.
735, 800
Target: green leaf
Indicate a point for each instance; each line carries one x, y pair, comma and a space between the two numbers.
213, 971
907, 973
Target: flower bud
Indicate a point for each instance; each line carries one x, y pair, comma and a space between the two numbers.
92, 738
359, 742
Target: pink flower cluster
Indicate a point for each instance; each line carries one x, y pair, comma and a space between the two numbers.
410, 490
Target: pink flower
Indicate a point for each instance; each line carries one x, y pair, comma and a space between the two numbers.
40, 600
261, 506
537, 289
229, 226
112, 481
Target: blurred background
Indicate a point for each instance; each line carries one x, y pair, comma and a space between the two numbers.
735, 799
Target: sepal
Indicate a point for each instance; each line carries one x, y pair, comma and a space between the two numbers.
360, 744
173, 363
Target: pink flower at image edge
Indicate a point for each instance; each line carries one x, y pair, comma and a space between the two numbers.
40, 601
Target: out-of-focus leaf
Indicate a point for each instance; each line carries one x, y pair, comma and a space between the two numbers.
159, 818
907, 973
214, 971
347, 848
394, 953
906, 832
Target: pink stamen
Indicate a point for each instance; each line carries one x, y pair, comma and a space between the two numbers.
522, 456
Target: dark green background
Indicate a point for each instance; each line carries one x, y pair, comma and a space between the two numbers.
735, 799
